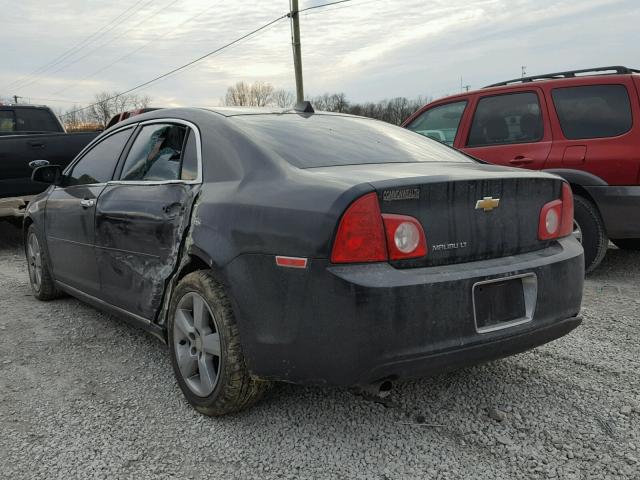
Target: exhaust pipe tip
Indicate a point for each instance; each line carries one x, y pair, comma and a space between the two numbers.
381, 389
384, 388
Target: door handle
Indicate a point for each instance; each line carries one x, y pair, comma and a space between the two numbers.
87, 202
520, 160
36, 144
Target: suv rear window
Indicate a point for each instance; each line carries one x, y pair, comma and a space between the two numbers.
593, 111
322, 140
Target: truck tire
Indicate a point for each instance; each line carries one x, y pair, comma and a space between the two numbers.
205, 350
592, 233
627, 243
40, 278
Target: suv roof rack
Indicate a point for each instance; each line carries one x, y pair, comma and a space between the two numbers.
568, 74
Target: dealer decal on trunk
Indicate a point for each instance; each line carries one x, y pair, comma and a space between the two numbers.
401, 194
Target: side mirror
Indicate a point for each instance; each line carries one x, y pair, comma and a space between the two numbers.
38, 163
51, 174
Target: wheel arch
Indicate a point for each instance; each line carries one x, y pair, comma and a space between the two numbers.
578, 180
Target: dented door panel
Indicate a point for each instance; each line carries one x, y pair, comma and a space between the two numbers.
139, 232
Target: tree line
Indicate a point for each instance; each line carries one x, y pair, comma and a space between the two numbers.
261, 94
97, 115
243, 94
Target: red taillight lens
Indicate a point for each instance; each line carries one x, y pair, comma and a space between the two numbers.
556, 217
405, 237
566, 225
360, 236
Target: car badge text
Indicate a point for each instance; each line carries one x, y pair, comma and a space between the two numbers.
487, 204
401, 194
448, 246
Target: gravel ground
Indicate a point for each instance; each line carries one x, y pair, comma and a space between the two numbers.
83, 395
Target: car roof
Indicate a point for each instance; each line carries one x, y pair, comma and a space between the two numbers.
525, 83
235, 111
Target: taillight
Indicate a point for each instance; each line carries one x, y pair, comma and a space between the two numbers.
360, 236
566, 224
405, 237
366, 235
556, 217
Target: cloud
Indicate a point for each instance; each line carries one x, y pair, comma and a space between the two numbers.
369, 49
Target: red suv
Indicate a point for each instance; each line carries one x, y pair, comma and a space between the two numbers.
582, 125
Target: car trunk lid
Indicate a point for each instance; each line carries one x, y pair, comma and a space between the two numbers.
469, 212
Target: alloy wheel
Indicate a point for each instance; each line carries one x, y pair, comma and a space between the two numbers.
34, 257
197, 344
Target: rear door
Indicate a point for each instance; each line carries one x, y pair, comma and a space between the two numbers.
595, 129
70, 214
142, 216
509, 129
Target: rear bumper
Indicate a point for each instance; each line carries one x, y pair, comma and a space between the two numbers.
356, 324
620, 209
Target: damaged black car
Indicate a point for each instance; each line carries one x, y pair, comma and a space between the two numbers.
305, 247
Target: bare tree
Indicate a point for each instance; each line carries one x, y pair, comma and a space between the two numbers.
283, 98
238, 95
261, 94
107, 104
103, 108
394, 110
258, 94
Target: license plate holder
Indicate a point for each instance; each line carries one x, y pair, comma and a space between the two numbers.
504, 302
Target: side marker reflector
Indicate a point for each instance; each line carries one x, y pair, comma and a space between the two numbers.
291, 262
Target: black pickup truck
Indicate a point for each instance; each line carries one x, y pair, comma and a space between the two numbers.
29, 133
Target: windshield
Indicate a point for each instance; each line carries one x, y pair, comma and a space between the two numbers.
331, 140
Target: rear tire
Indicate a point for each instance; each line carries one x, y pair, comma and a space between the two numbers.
594, 235
40, 278
205, 350
627, 243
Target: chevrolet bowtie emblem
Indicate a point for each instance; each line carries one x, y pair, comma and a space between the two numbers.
487, 204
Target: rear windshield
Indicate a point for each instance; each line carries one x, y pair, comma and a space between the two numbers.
332, 140
27, 120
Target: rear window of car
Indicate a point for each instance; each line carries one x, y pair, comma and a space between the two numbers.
593, 111
331, 140
28, 120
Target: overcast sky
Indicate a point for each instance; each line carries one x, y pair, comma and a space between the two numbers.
368, 49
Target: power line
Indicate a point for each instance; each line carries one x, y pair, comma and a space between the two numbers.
322, 5
130, 53
76, 60
78, 46
182, 67
146, 19
206, 55
59, 100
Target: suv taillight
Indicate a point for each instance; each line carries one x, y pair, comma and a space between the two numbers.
556, 217
366, 235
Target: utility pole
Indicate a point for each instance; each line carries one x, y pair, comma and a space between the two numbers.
15, 98
523, 69
297, 53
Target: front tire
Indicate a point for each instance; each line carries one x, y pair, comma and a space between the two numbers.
627, 243
205, 350
40, 278
592, 233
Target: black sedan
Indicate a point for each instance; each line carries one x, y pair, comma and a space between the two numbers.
305, 247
